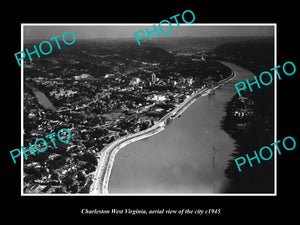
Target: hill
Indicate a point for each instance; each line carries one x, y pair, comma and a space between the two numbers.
258, 52
146, 53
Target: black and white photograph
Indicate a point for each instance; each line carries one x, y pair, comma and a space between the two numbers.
142, 110
153, 115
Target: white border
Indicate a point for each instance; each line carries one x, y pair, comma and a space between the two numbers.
275, 110
22, 110
149, 24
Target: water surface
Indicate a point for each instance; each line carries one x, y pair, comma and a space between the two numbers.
43, 100
189, 156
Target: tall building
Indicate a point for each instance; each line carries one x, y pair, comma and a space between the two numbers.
153, 77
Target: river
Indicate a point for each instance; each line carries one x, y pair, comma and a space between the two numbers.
41, 97
188, 157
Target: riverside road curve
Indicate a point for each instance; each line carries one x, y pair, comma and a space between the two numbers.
107, 155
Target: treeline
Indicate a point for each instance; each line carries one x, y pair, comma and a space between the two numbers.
258, 131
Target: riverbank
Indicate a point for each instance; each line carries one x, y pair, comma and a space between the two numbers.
250, 132
107, 155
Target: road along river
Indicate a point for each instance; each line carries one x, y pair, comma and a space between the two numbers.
188, 156
107, 155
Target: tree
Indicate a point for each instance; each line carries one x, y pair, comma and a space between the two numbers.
89, 158
67, 181
80, 177
59, 190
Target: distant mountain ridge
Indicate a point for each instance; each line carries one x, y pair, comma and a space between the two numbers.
147, 53
258, 50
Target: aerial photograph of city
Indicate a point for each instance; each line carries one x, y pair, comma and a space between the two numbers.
159, 118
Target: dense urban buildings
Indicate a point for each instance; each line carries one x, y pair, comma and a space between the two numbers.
101, 93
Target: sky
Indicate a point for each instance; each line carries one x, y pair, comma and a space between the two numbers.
85, 31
